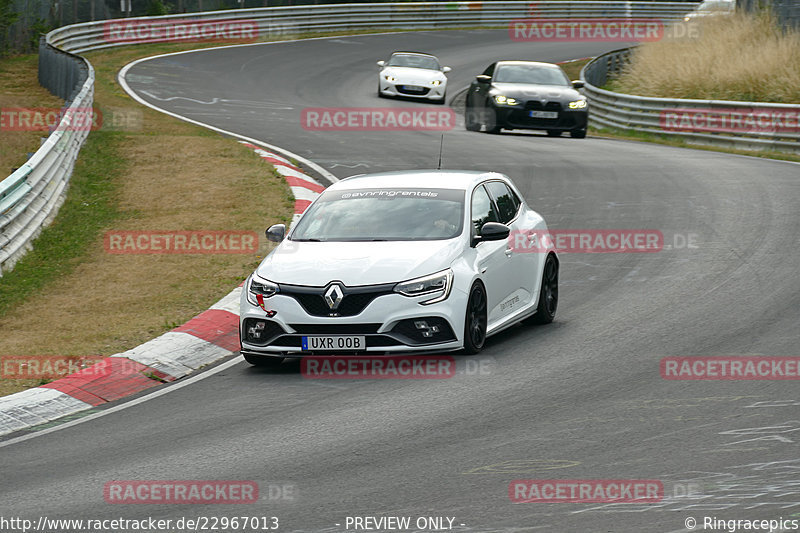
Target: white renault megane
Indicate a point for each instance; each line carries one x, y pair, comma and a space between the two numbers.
414, 261
413, 75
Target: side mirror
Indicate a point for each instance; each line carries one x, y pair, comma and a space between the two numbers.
483, 78
381, 63
492, 231
578, 84
446, 69
276, 232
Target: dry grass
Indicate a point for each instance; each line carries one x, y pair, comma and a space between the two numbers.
172, 176
738, 57
19, 88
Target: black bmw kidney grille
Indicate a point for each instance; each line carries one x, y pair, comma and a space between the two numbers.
536, 105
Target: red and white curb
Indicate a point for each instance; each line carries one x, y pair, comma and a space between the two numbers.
210, 336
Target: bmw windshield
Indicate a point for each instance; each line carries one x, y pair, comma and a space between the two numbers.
388, 214
535, 74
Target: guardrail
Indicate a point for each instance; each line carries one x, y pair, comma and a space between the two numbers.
722, 123
30, 197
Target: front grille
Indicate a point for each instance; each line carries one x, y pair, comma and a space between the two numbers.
354, 299
536, 105
416, 91
335, 329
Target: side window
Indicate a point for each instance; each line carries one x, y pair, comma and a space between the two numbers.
482, 210
490, 70
505, 199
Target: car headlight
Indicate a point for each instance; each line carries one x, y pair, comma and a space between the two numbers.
438, 284
256, 286
390, 78
436, 83
577, 104
504, 100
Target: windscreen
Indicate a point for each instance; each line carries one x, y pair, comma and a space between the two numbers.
386, 214
413, 61
536, 74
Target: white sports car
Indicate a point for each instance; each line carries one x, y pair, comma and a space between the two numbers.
414, 261
413, 75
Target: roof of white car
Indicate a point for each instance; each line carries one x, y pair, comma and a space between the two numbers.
445, 179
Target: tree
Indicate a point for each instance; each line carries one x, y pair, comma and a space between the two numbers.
7, 17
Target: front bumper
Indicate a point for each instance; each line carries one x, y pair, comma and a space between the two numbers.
389, 324
518, 118
424, 92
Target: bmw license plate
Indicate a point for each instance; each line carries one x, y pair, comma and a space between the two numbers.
543, 114
322, 343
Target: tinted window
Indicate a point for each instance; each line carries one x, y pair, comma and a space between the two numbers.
482, 210
505, 199
388, 214
536, 74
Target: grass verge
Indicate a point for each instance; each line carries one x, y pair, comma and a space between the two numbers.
738, 57
141, 170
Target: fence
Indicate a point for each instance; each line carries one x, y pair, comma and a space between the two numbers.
740, 125
30, 197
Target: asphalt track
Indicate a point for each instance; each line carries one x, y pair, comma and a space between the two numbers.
581, 398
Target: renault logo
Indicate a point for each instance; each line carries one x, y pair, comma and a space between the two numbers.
333, 296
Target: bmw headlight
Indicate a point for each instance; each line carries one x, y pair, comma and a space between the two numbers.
578, 104
504, 100
438, 285
256, 286
436, 83
389, 77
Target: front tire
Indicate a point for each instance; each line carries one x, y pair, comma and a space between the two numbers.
554, 133
263, 361
470, 119
578, 134
475, 322
548, 293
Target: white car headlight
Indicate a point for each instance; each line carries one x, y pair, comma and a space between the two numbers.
438, 285
577, 104
389, 77
436, 83
504, 100
256, 286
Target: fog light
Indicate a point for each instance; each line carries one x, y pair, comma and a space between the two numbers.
426, 330
254, 332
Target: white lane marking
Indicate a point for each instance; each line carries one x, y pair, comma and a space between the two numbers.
171, 98
132, 403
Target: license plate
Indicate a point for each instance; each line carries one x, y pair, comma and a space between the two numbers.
323, 343
543, 114
411, 87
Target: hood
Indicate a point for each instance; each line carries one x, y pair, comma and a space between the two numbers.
529, 91
356, 263
420, 75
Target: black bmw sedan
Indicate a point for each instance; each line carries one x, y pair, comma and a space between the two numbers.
526, 95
